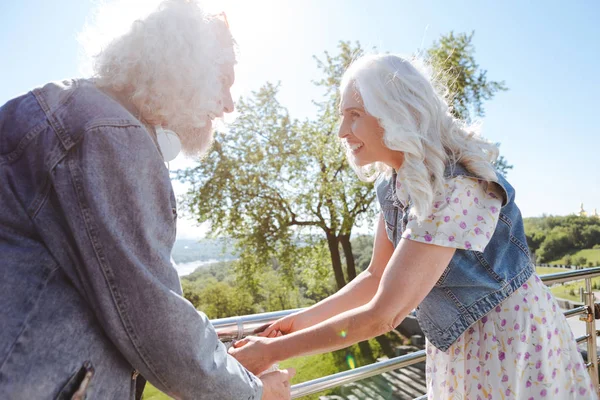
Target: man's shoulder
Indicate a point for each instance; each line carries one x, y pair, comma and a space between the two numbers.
78, 104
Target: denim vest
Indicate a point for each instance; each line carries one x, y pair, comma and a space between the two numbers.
474, 282
88, 295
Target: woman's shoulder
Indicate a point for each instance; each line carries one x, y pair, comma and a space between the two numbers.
472, 190
459, 176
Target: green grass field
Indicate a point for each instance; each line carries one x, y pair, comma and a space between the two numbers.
152, 393
568, 291
592, 255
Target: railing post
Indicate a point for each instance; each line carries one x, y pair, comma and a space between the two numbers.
590, 326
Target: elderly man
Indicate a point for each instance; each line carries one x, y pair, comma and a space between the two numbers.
88, 296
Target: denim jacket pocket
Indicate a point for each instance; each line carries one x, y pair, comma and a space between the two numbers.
77, 386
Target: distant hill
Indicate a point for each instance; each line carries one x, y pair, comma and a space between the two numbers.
186, 250
590, 255
556, 237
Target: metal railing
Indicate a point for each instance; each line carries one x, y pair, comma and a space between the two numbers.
238, 327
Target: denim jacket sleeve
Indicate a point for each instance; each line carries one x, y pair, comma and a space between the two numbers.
118, 201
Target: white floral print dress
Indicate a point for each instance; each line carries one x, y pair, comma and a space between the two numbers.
524, 348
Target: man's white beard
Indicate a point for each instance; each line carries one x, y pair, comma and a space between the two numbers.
195, 141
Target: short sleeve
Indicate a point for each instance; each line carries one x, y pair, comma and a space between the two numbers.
464, 217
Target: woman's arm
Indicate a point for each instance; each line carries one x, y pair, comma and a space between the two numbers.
409, 276
356, 293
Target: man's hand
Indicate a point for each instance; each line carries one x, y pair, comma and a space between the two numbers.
276, 385
253, 353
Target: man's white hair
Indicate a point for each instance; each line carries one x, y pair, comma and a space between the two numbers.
169, 66
416, 120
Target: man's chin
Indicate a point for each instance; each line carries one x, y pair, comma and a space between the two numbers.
197, 141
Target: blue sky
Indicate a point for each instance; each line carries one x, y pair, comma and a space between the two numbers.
547, 52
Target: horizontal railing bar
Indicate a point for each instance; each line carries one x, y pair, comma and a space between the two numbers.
581, 310
238, 327
227, 327
582, 339
335, 380
560, 277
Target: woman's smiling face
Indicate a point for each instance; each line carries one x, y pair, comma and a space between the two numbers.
361, 132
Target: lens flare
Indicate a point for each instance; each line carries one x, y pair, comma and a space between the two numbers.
350, 360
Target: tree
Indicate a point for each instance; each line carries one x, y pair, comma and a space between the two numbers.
503, 166
555, 237
279, 186
453, 59
568, 260
581, 261
272, 182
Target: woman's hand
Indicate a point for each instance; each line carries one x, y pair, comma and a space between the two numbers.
254, 353
282, 326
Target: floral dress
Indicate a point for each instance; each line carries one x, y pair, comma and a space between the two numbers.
524, 348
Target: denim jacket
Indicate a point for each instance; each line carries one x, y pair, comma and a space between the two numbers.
88, 295
474, 282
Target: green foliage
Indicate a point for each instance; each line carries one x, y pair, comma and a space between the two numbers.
502, 165
320, 365
556, 238
215, 290
314, 273
548, 270
453, 59
557, 242
271, 180
590, 256
152, 393
362, 246
568, 260
568, 291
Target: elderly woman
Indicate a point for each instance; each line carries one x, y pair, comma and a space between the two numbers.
88, 295
450, 242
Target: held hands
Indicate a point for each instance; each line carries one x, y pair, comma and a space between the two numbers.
276, 385
282, 326
253, 353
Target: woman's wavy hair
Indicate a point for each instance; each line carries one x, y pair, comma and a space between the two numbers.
416, 118
169, 66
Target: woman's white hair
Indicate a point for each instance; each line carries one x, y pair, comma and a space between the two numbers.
169, 66
416, 120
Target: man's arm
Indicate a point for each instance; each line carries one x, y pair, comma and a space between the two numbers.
118, 202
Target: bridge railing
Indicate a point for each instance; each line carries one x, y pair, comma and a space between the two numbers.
239, 327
